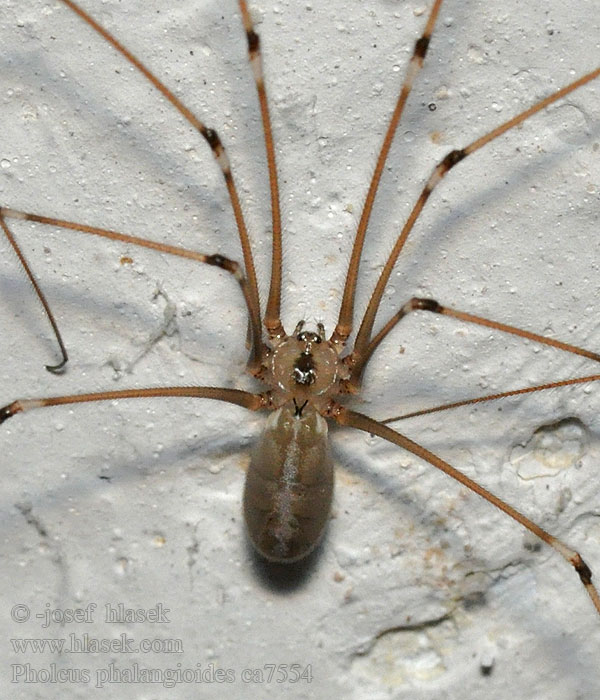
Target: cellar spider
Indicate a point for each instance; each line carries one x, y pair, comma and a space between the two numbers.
387, 307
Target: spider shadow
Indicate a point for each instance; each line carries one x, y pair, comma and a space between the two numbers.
283, 578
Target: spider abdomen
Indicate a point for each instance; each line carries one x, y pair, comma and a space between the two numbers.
289, 485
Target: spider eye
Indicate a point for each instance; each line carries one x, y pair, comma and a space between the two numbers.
308, 337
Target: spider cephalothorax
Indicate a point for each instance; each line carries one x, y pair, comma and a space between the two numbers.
304, 365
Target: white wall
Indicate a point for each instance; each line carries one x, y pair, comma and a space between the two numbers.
512, 234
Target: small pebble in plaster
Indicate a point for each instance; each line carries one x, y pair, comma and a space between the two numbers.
550, 449
442, 93
436, 137
159, 540
121, 566
564, 498
475, 54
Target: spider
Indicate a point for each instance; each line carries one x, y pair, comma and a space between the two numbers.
302, 387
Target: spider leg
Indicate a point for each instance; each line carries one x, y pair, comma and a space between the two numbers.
494, 397
272, 318
417, 304
442, 168
217, 148
361, 422
245, 399
216, 260
58, 368
344, 324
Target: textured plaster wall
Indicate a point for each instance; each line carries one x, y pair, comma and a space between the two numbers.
420, 589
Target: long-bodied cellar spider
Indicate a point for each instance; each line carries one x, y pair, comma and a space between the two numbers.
301, 246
